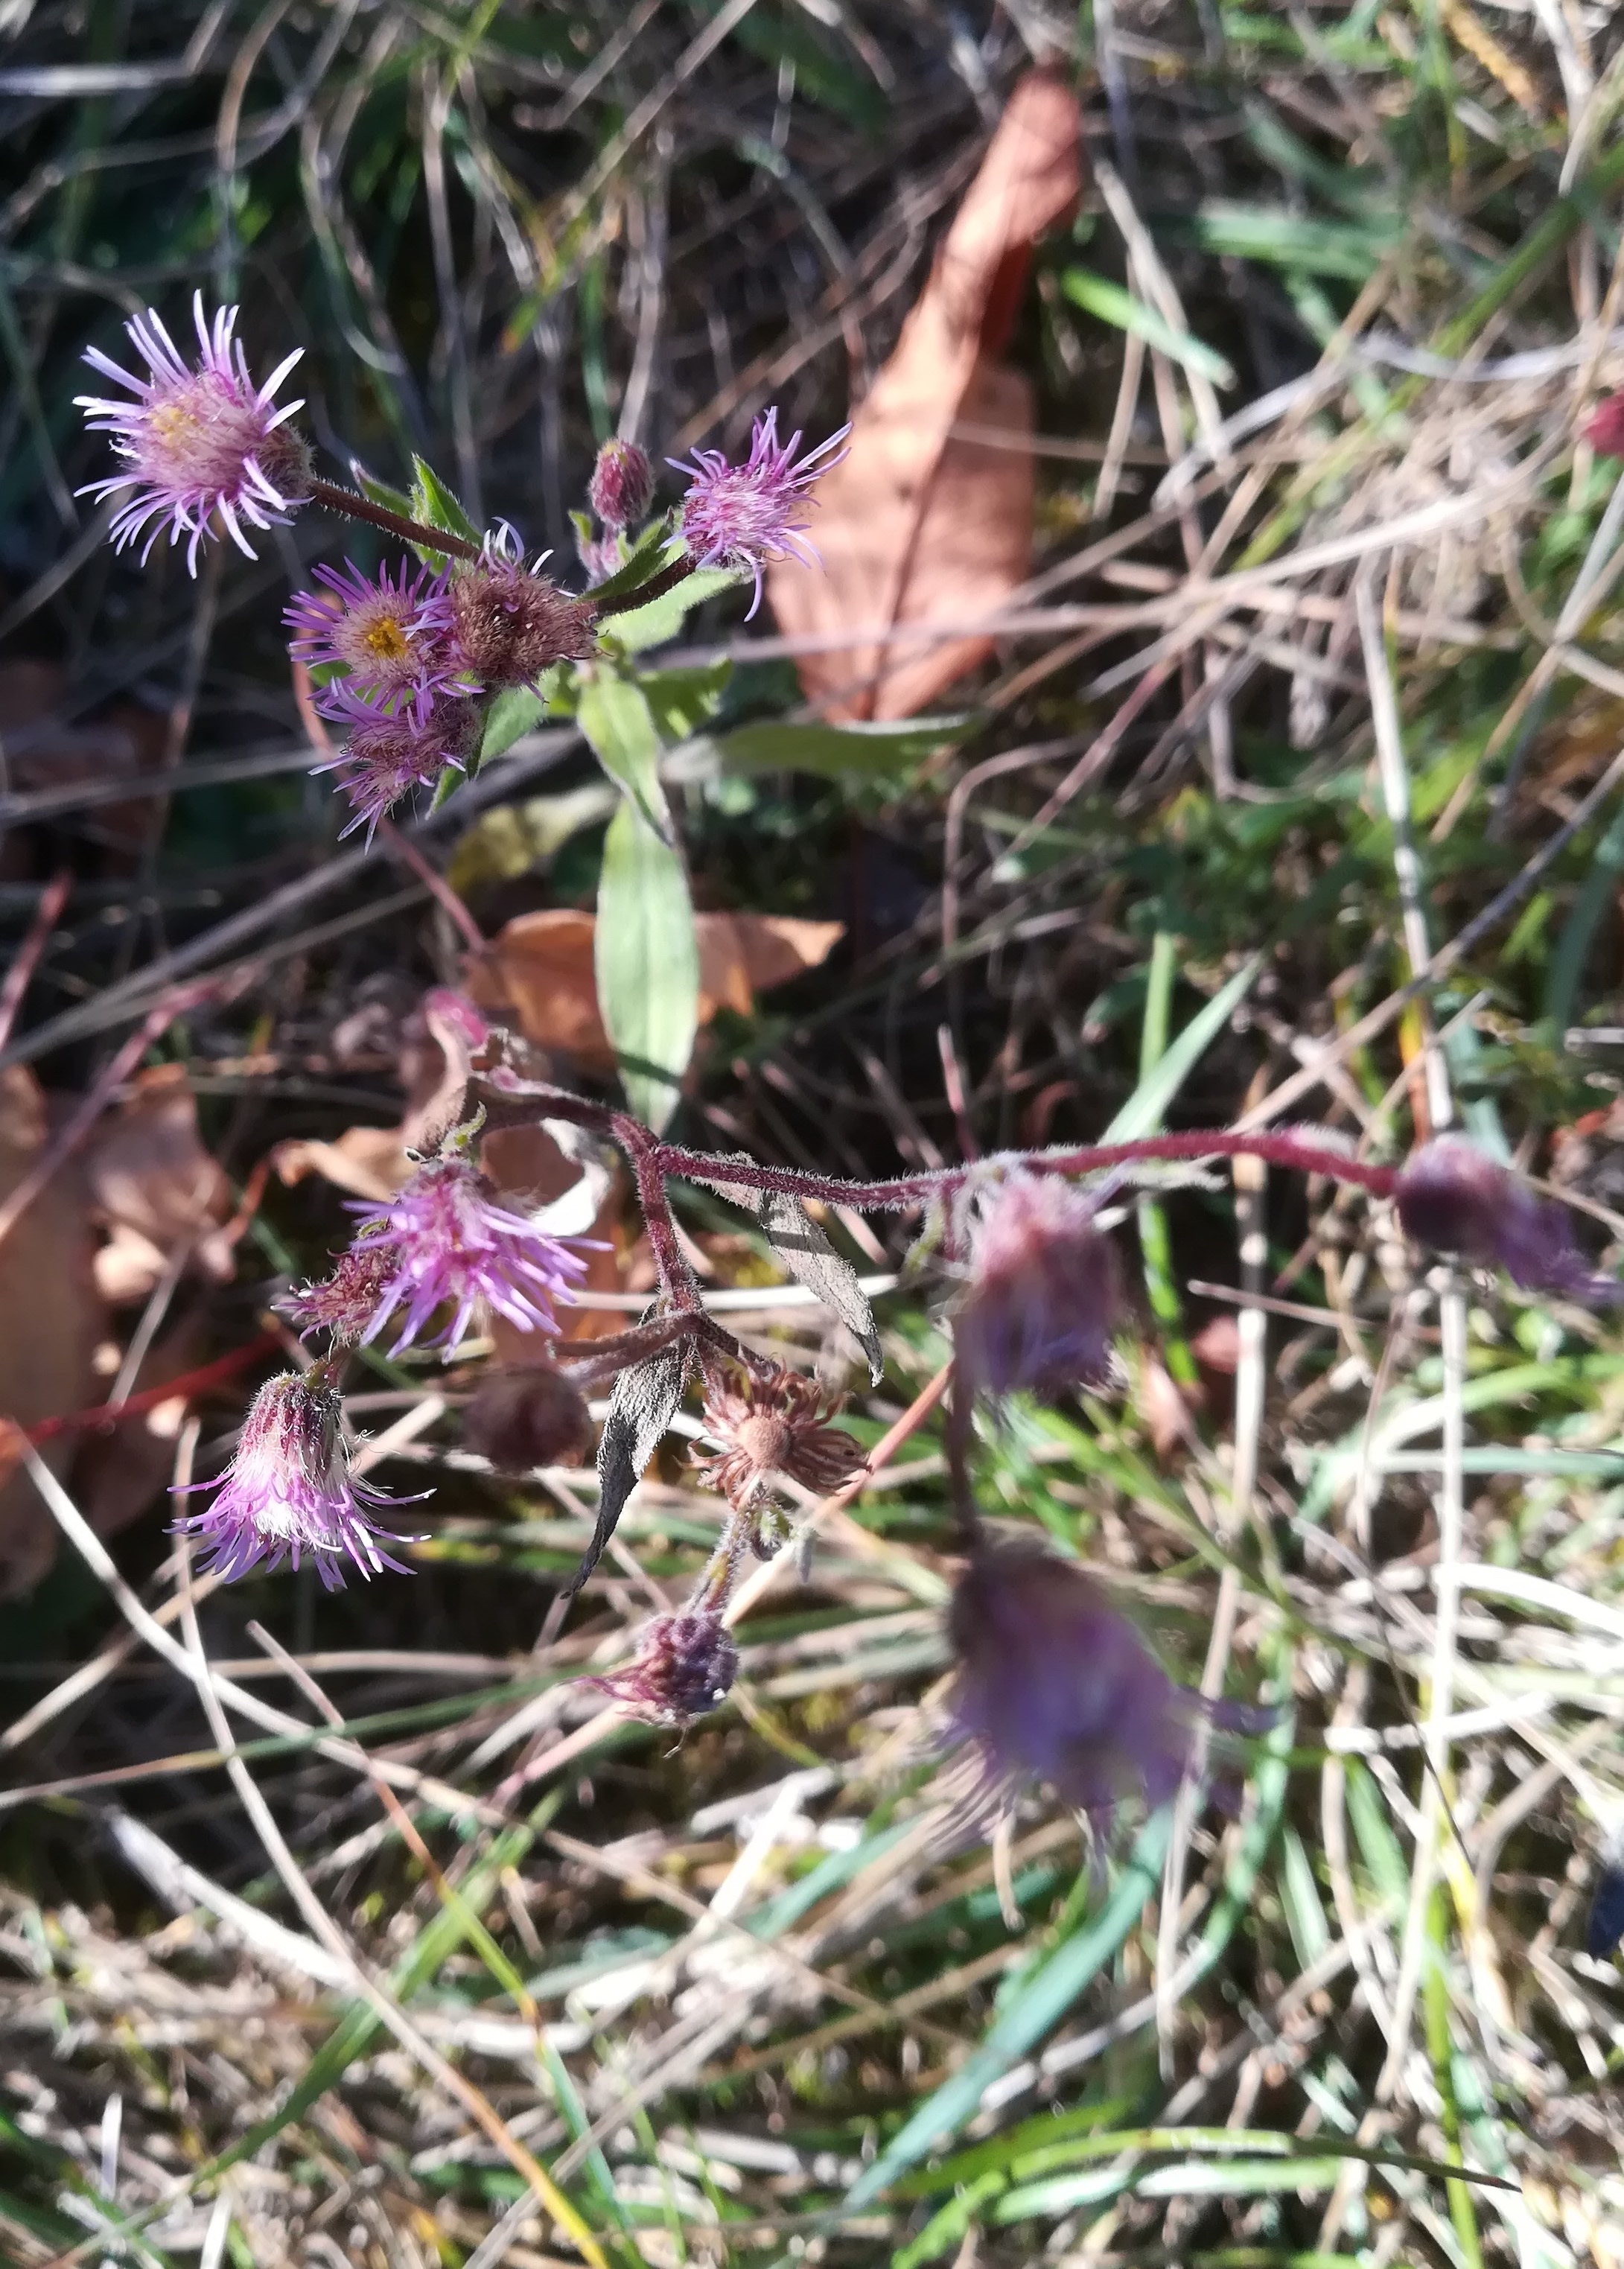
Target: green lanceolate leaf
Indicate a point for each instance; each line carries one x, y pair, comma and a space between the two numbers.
517, 707
641, 564
433, 503
682, 700
662, 617
647, 959
774, 745
614, 714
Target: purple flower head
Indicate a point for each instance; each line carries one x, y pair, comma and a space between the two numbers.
1045, 1292
199, 444
391, 751
601, 557
390, 637
741, 516
512, 622
622, 484
452, 1246
1054, 1685
289, 1493
683, 1667
344, 1303
1452, 1197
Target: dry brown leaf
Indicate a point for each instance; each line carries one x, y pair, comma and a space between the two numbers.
372, 1162
118, 1473
156, 1189
44, 750
51, 1321
917, 526
540, 969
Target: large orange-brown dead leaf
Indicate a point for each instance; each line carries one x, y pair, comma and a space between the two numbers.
51, 1321
540, 970
918, 526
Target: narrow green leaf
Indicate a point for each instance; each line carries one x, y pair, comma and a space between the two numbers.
662, 617
434, 504
1143, 1111
647, 957
1096, 295
774, 745
640, 564
383, 492
613, 714
517, 707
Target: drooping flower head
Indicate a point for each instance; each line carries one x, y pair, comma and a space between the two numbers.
766, 1427
525, 1416
390, 637
391, 751
1054, 1685
1604, 431
1451, 1197
622, 484
451, 1245
289, 1493
684, 1666
511, 623
741, 516
1044, 1290
201, 445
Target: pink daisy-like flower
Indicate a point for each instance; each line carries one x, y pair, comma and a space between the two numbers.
200, 444
742, 516
452, 1246
289, 1493
391, 751
390, 637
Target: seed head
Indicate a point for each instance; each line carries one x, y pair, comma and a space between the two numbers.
1452, 1197
741, 516
391, 638
200, 444
684, 1666
451, 1245
622, 484
391, 751
289, 1493
511, 623
525, 1416
771, 1426
1045, 1293
1054, 1685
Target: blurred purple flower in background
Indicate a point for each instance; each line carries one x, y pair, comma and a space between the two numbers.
684, 1666
199, 443
1045, 1292
1452, 1197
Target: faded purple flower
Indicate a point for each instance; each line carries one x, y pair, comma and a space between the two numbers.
1044, 1291
391, 751
344, 1303
1452, 1197
199, 443
622, 484
512, 622
1054, 1685
452, 1246
289, 1493
390, 637
741, 516
684, 1666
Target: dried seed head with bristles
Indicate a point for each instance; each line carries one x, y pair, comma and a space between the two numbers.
770, 1426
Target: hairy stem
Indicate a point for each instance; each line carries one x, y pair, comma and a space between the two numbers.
656, 588
356, 506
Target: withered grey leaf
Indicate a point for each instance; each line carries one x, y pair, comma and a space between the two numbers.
807, 1254
642, 1404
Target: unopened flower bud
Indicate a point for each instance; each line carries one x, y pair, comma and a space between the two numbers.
525, 1416
1045, 1293
684, 1666
1451, 1197
622, 484
1054, 1685
766, 1427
